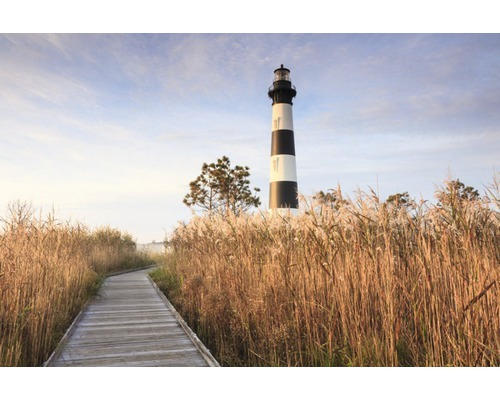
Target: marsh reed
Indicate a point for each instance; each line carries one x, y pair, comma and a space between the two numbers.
48, 269
358, 283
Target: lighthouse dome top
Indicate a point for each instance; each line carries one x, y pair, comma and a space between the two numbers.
282, 74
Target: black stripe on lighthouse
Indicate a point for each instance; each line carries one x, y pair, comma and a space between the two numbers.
283, 194
282, 142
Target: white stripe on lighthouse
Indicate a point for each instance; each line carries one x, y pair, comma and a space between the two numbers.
282, 116
283, 168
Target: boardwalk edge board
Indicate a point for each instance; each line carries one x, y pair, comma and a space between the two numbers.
204, 351
67, 334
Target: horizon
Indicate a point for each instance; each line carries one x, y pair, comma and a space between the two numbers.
110, 129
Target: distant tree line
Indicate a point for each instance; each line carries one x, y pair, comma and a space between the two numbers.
454, 191
221, 189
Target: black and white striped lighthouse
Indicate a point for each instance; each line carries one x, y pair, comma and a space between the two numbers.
283, 180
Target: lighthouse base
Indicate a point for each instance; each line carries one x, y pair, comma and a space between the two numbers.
283, 194
284, 212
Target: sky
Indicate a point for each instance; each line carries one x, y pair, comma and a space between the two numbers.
110, 129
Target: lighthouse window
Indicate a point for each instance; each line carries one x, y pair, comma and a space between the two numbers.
275, 164
282, 75
276, 123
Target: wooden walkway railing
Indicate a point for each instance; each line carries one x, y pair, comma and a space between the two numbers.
130, 323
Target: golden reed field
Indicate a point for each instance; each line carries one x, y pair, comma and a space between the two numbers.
356, 283
48, 269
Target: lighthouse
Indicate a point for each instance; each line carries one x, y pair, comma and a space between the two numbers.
283, 178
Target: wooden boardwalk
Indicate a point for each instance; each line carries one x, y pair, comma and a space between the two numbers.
130, 324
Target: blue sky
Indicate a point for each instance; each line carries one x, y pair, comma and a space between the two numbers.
110, 129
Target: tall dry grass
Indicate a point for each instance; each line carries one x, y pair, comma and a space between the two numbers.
359, 284
48, 269
111, 250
